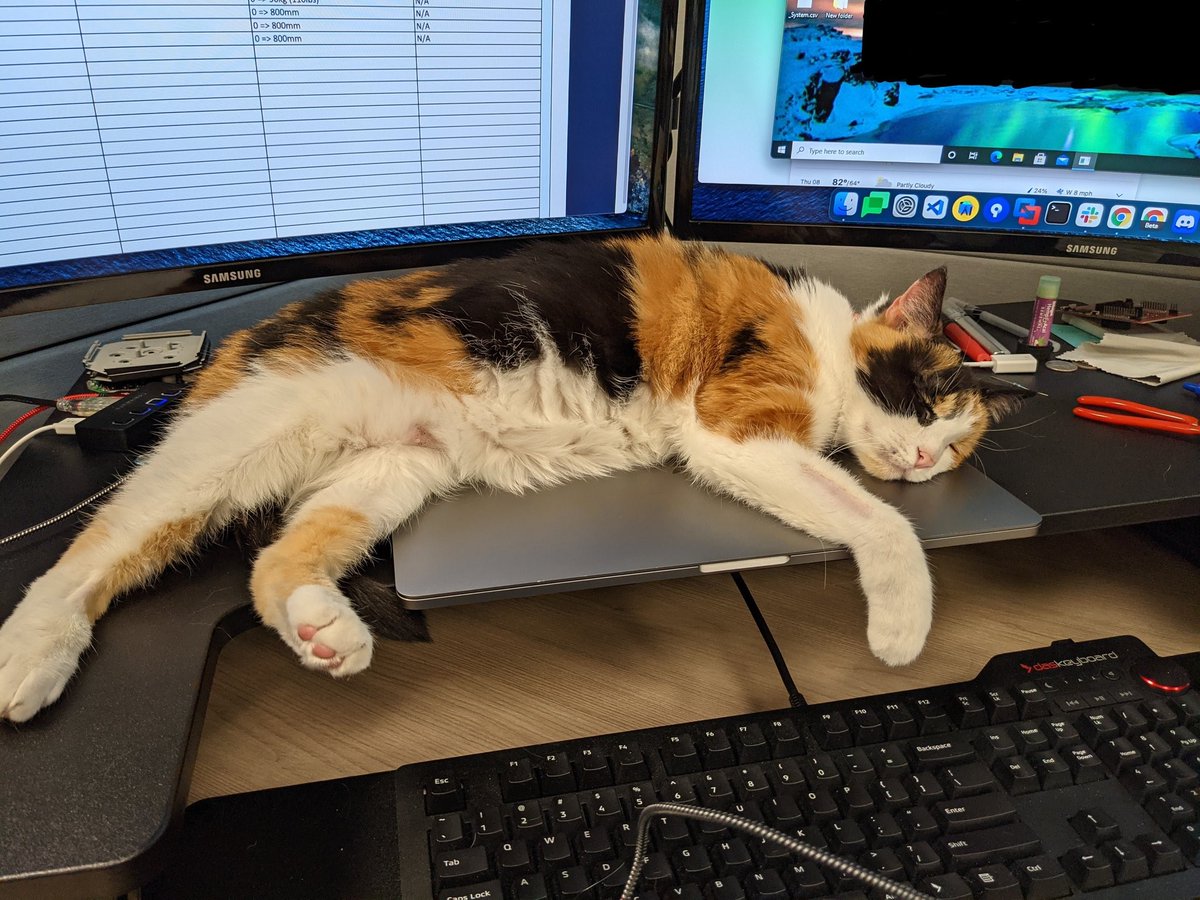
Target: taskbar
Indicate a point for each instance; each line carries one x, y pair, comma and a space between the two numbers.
1040, 214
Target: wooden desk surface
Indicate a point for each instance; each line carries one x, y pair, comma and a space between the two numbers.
517, 672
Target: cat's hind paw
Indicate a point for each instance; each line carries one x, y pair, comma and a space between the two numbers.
38, 656
326, 633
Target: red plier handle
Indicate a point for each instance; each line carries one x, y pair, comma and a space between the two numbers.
1150, 418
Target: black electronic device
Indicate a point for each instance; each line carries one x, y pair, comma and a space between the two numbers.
133, 421
1057, 772
788, 134
245, 145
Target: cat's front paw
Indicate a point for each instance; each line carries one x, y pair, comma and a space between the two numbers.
326, 633
898, 643
898, 626
39, 652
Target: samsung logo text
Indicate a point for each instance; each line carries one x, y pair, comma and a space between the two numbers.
235, 275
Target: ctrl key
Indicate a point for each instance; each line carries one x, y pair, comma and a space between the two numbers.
489, 890
1042, 878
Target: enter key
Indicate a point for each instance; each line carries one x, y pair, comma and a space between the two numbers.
973, 813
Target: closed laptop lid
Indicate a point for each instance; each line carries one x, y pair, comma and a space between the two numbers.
650, 524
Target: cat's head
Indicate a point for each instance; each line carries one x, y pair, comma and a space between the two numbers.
917, 412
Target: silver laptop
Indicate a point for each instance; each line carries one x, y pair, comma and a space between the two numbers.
651, 524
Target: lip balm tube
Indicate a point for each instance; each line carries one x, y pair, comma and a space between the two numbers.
1043, 311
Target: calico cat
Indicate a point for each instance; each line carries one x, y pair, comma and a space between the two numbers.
357, 407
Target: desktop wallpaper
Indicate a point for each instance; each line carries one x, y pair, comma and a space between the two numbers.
822, 97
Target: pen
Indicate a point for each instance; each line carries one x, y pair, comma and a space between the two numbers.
967, 344
954, 311
1193, 387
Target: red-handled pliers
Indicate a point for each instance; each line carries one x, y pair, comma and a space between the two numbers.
1149, 417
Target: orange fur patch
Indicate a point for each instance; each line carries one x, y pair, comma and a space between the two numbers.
690, 304
223, 373
318, 548
168, 543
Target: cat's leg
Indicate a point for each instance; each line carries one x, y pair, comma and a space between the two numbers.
809, 492
212, 463
361, 500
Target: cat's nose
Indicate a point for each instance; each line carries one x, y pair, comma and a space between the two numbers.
925, 459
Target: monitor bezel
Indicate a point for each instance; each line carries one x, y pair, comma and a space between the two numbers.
79, 292
1113, 252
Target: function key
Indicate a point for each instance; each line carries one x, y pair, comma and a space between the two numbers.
750, 743
517, 781
593, 769
557, 775
784, 738
680, 755
716, 749
898, 721
630, 763
931, 717
866, 725
831, 731
443, 794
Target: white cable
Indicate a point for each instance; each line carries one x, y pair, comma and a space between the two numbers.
66, 426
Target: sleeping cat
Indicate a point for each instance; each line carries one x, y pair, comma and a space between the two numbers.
357, 407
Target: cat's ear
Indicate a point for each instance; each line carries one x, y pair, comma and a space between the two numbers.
1001, 398
919, 309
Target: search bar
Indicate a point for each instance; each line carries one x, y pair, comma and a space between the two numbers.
839, 151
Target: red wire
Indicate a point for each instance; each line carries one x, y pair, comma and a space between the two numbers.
27, 415
33, 412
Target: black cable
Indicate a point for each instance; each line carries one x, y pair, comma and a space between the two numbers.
795, 698
32, 401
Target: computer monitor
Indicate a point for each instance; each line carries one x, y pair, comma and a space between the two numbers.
783, 139
159, 148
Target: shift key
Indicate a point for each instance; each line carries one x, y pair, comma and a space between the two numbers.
978, 848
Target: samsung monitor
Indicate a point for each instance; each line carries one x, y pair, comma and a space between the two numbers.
783, 138
151, 148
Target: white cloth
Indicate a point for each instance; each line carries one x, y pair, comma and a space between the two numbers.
1155, 360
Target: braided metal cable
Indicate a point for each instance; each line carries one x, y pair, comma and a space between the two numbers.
821, 857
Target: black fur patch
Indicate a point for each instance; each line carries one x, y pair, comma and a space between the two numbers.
745, 342
790, 274
576, 294
909, 378
309, 323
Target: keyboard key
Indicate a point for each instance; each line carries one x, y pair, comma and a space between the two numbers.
819, 806
845, 836
805, 879
1016, 775
732, 858
566, 815
935, 753
488, 826
888, 759
1144, 782
686, 892
968, 711
866, 725
1128, 861
898, 722
558, 777
572, 881
527, 819
785, 777
1052, 771
1085, 765
973, 813
446, 832
977, 848
890, 795
693, 864
966, 779
595, 846
461, 866
1152, 747
1164, 856
1170, 811
715, 790
855, 799
530, 887
679, 755
656, 873
1180, 776
603, 807
724, 889
1042, 878
994, 743
821, 771
630, 763
784, 738
1029, 738
947, 887
918, 824
488, 890
919, 859
1031, 702
555, 851
1095, 826
1119, 754
750, 744
512, 858
882, 830
594, 770
670, 832
443, 794
766, 886
783, 813
517, 781
1000, 705
1187, 708
883, 861
931, 717
924, 788
1088, 868
831, 731
1130, 720
1187, 837
1181, 740
1096, 728
854, 764
1159, 713
750, 784
994, 883
1061, 733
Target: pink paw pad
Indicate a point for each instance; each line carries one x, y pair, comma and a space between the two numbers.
306, 632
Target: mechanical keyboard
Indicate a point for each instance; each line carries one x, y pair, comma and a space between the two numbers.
1059, 771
